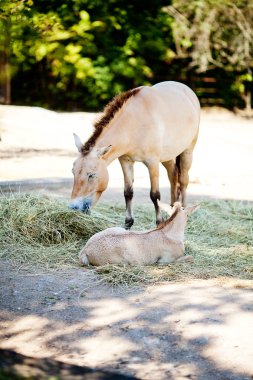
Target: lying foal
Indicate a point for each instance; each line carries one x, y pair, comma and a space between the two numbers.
163, 245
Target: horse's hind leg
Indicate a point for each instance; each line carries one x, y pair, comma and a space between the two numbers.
172, 171
128, 172
184, 163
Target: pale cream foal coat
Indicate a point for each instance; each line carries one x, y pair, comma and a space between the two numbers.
162, 245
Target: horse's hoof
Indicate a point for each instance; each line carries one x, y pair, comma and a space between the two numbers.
128, 223
158, 222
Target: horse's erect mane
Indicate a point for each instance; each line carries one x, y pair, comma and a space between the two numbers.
108, 114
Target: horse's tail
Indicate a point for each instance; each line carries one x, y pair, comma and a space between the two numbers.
178, 173
178, 159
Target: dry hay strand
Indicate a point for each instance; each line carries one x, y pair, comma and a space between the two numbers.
42, 232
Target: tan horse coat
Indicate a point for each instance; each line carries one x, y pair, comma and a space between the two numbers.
118, 246
148, 124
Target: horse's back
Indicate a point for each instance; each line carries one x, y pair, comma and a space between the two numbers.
178, 91
170, 113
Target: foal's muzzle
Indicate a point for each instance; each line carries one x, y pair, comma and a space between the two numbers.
81, 204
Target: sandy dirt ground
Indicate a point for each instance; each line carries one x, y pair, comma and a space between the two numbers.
194, 330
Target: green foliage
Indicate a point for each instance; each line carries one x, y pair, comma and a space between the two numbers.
86, 51
78, 54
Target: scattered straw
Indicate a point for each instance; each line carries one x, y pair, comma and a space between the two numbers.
41, 232
124, 276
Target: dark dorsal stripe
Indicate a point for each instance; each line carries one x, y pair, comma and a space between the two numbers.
108, 114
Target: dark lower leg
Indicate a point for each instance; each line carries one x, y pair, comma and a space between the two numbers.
129, 221
153, 167
128, 171
155, 196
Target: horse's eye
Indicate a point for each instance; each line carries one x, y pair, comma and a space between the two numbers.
91, 176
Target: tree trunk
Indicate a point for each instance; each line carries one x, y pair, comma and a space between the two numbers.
5, 78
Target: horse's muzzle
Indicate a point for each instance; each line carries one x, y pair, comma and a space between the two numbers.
81, 204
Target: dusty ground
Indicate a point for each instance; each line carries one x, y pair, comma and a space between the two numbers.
195, 330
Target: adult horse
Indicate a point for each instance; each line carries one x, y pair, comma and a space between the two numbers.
147, 124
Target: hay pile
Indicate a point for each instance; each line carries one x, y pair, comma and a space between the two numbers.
41, 232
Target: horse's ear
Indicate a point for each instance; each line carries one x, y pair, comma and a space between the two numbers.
78, 142
102, 151
189, 210
167, 208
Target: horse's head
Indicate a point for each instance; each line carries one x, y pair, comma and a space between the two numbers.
90, 177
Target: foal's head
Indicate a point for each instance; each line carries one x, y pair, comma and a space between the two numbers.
90, 177
177, 213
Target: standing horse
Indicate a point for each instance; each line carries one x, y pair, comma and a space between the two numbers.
147, 124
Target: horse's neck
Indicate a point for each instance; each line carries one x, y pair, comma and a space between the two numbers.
117, 134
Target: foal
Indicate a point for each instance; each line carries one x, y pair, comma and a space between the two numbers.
163, 245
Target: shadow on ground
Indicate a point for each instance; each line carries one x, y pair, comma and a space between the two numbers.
175, 331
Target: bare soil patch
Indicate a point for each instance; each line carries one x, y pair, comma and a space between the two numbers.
198, 330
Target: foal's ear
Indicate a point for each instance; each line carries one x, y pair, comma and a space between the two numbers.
78, 142
167, 208
102, 151
191, 209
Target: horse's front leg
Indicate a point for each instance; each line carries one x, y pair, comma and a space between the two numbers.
153, 167
127, 166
